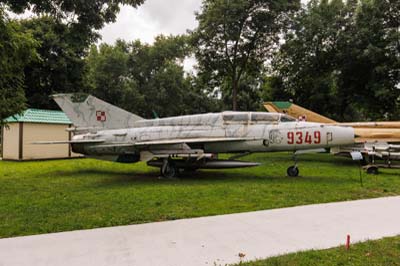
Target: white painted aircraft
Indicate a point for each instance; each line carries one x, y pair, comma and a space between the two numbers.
191, 142
376, 141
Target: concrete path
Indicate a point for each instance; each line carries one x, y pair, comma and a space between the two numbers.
211, 240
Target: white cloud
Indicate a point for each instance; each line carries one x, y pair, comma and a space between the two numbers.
152, 18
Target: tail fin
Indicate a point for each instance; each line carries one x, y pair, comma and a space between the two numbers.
296, 111
86, 111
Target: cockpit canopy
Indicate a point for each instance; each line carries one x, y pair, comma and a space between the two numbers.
217, 119
256, 117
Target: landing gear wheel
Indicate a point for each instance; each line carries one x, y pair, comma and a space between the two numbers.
372, 170
293, 171
169, 170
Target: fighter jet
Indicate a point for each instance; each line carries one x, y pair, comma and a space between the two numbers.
190, 142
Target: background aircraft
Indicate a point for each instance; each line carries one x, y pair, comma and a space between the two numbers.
104, 131
374, 140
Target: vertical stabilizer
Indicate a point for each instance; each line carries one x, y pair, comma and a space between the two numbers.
86, 111
297, 111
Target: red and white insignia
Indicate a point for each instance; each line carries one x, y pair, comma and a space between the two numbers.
101, 116
303, 118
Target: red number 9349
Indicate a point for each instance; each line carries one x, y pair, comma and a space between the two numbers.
301, 137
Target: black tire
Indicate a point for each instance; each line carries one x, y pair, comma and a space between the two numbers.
372, 170
170, 171
293, 171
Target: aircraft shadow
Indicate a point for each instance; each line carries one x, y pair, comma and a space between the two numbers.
95, 173
213, 177
387, 172
200, 177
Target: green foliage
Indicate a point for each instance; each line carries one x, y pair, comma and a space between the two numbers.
371, 71
16, 50
107, 75
159, 76
342, 59
145, 78
61, 64
53, 196
85, 15
235, 37
249, 94
63, 30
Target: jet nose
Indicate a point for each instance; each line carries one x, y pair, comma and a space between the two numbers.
341, 135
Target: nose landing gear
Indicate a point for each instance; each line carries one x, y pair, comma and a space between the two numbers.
293, 171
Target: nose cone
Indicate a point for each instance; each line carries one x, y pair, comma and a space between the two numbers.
340, 136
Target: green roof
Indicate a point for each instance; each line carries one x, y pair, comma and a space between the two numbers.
282, 105
40, 116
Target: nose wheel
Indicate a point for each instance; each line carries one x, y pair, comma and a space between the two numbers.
293, 171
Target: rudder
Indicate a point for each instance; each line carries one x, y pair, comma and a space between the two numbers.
87, 111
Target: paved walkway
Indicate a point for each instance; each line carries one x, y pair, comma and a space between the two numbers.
209, 240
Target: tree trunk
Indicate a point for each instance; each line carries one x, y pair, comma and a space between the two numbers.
234, 94
234, 98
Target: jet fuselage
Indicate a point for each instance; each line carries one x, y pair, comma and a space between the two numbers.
237, 132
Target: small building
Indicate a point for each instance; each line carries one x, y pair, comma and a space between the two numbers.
34, 125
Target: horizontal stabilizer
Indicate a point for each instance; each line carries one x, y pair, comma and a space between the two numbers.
83, 129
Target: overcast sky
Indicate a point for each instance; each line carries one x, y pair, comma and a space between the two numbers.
152, 18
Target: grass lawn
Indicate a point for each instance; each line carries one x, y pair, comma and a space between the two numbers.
385, 252
54, 196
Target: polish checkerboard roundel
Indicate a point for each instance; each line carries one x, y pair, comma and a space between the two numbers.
101, 116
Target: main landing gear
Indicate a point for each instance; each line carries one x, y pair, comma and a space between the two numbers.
169, 169
293, 171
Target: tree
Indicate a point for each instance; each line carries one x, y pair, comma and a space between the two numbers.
61, 64
91, 14
369, 60
305, 62
108, 78
198, 99
249, 96
16, 50
342, 59
159, 76
64, 30
146, 79
235, 37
